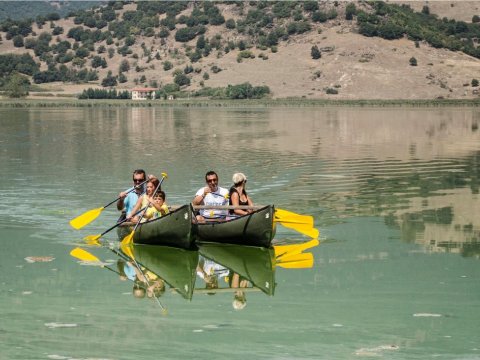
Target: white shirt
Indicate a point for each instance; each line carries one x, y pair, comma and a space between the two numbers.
217, 198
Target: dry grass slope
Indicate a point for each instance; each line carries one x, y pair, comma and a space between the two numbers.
358, 67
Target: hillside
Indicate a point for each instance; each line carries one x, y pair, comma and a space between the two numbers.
351, 64
25, 9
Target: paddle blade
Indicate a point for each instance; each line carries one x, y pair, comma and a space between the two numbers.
285, 216
92, 239
306, 230
83, 255
86, 218
292, 249
298, 261
127, 240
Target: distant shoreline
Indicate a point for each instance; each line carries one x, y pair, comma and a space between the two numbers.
51, 103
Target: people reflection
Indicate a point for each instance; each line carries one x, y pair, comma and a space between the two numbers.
239, 297
211, 195
145, 282
211, 272
238, 196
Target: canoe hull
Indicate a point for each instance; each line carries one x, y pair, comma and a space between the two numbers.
255, 229
256, 264
177, 267
174, 229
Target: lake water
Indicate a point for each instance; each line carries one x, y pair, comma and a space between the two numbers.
394, 193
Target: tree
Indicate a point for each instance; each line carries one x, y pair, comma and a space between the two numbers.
413, 61
181, 80
315, 52
122, 78
17, 87
18, 41
124, 66
474, 82
167, 65
350, 11
109, 80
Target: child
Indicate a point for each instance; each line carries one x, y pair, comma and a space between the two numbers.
160, 207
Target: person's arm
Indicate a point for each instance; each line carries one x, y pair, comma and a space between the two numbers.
236, 202
250, 203
198, 199
121, 200
137, 207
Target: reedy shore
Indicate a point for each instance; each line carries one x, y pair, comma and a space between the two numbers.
294, 102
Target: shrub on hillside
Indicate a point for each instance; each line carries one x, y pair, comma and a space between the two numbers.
109, 80
182, 80
104, 94
315, 53
246, 91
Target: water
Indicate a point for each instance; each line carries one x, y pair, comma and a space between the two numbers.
394, 192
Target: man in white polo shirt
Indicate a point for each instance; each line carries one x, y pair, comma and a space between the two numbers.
211, 195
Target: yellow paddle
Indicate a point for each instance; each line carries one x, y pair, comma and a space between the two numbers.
88, 216
127, 240
300, 223
292, 249
83, 255
306, 230
285, 216
93, 239
298, 261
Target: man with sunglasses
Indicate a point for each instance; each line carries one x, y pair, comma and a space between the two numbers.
128, 199
211, 195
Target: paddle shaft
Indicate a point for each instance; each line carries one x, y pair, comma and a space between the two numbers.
121, 222
128, 192
227, 207
146, 207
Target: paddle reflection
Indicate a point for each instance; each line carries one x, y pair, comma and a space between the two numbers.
176, 267
214, 268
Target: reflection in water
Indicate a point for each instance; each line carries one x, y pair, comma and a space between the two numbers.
221, 267
401, 164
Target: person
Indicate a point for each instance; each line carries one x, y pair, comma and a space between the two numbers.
238, 196
239, 298
210, 271
127, 200
211, 195
159, 199
156, 205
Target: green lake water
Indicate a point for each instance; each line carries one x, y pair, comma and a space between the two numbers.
394, 193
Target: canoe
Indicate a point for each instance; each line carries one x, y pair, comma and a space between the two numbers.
256, 264
173, 229
177, 267
255, 229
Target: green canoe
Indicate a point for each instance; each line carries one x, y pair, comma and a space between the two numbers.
173, 229
255, 229
256, 264
177, 267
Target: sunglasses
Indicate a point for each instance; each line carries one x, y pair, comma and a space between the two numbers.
138, 180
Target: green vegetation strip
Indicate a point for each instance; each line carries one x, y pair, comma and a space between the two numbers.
294, 102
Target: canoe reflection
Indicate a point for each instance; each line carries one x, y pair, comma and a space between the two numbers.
221, 268
176, 267
242, 267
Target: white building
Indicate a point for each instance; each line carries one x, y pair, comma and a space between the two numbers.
143, 93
